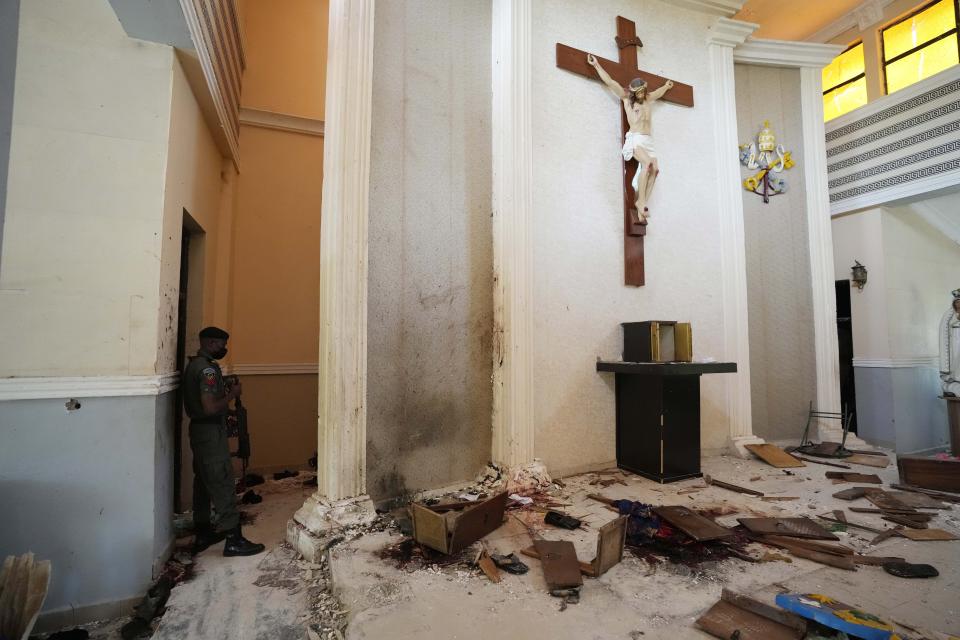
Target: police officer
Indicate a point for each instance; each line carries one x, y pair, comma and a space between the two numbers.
206, 399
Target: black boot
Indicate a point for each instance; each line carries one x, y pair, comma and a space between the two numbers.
237, 545
206, 536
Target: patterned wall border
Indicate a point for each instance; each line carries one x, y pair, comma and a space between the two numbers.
893, 181
920, 156
866, 156
921, 99
896, 128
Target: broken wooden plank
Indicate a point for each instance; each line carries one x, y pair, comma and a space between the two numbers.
586, 568
850, 476
905, 521
939, 495
561, 569
855, 525
779, 498
813, 545
829, 464
793, 527
926, 534
599, 498
738, 616
875, 510
853, 493
774, 456
869, 461
829, 559
885, 500
488, 567
693, 524
730, 487
610, 540
918, 500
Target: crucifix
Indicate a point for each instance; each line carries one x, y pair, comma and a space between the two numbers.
624, 72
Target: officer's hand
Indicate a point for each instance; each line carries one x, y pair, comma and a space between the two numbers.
234, 391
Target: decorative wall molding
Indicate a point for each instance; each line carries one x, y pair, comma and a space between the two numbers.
820, 240
273, 369
897, 363
723, 8
512, 150
784, 53
45, 388
729, 33
733, 271
281, 121
860, 17
214, 29
900, 147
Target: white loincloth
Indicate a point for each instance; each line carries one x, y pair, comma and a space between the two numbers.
631, 142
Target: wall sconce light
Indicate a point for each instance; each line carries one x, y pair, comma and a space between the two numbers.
859, 275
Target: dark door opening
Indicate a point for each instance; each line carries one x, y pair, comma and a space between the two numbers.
848, 394
181, 361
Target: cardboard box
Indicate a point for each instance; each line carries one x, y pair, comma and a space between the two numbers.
453, 531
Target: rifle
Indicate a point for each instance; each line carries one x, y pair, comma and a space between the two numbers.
238, 429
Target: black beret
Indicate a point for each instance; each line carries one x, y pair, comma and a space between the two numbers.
214, 332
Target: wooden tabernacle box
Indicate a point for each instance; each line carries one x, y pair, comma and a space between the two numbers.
657, 341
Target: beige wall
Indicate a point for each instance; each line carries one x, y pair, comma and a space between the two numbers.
82, 243
783, 376
274, 291
286, 56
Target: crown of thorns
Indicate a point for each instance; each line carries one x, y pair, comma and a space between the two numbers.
637, 83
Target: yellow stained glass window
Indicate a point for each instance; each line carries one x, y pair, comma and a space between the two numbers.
844, 84
844, 99
922, 64
920, 45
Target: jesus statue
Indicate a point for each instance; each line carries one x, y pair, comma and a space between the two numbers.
638, 143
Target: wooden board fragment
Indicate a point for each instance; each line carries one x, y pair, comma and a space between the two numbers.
930, 473
586, 568
869, 461
813, 545
693, 524
793, 527
731, 487
926, 534
918, 500
738, 616
488, 567
905, 521
875, 560
774, 456
939, 495
853, 493
855, 525
886, 501
610, 541
561, 569
850, 476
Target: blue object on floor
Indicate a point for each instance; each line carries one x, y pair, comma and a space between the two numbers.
837, 615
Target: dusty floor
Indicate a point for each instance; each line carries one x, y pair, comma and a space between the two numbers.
634, 599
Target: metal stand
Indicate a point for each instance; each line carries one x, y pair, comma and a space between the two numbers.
826, 449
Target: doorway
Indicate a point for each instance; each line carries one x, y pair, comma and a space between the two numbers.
848, 393
189, 303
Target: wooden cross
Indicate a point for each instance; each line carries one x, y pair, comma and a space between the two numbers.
623, 72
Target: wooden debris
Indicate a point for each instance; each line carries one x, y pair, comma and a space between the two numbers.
875, 560
488, 567
561, 569
774, 456
23, 588
778, 498
918, 500
851, 524
849, 476
693, 524
731, 487
869, 460
939, 495
886, 500
930, 473
742, 617
841, 561
854, 492
794, 527
905, 521
840, 515
586, 568
610, 540
926, 534
829, 464
812, 545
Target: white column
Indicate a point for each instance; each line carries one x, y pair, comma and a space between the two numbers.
819, 232
341, 477
513, 419
724, 35
810, 58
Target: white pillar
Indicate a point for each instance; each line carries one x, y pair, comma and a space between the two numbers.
810, 58
724, 35
819, 232
341, 475
512, 146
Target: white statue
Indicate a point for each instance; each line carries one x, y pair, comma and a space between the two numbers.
950, 348
639, 139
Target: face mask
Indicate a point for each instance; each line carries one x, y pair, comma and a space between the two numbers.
220, 355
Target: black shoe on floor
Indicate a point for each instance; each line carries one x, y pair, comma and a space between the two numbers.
237, 545
206, 536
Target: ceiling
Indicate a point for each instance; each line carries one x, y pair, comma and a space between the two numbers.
785, 20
